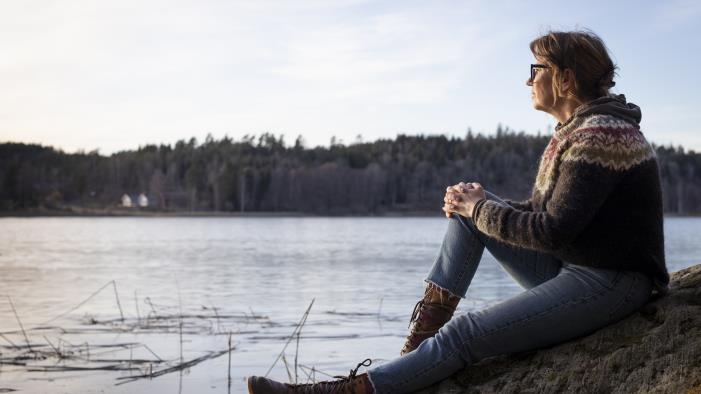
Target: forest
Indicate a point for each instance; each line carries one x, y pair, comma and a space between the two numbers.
407, 174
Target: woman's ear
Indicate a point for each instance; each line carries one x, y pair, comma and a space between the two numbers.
567, 82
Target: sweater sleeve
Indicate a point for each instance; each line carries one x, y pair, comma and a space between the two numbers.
520, 205
581, 188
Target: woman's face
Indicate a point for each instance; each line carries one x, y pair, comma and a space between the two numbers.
541, 88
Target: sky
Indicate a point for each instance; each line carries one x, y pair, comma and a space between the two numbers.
116, 75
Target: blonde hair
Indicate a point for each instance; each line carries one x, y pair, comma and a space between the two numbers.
584, 53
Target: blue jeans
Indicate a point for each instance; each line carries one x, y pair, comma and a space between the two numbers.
562, 301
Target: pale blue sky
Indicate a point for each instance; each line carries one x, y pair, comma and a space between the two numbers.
114, 75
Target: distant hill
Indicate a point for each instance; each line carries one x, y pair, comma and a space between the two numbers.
262, 174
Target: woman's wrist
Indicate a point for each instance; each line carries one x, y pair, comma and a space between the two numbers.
475, 207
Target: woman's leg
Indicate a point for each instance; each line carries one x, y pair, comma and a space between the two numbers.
453, 270
578, 301
462, 250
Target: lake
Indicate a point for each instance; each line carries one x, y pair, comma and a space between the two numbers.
103, 300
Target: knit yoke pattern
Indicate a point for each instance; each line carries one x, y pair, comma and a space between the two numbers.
596, 200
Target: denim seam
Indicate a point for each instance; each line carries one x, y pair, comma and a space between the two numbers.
461, 274
625, 298
616, 279
372, 384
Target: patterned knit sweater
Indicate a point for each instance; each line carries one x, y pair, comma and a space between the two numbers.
597, 199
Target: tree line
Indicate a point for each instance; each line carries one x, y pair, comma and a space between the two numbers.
264, 174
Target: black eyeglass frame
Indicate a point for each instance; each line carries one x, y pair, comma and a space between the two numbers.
536, 66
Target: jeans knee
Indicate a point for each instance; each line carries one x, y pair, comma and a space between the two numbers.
465, 223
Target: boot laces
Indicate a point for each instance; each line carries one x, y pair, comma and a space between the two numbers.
336, 386
353, 372
415, 313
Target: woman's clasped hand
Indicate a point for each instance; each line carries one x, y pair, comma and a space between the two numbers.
462, 198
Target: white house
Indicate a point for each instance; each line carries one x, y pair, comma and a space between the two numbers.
143, 200
126, 201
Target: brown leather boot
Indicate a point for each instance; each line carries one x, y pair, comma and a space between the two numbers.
351, 384
430, 314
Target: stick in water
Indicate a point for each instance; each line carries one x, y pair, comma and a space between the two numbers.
79, 304
114, 284
20, 323
228, 377
299, 327
138, 315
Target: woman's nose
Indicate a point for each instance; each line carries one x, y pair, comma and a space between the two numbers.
529, 82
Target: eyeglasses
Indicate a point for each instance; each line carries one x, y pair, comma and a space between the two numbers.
534, 69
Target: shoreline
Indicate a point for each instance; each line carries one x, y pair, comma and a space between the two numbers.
87, 212
91, 212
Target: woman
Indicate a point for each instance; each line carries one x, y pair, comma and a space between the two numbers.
587, 246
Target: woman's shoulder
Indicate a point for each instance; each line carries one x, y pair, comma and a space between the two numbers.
606, 123
608, 141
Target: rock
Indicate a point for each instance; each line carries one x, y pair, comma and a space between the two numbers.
655, 350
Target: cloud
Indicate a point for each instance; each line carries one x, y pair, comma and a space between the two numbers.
394, 57
100, 69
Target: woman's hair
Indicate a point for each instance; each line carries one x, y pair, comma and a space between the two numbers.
585, 54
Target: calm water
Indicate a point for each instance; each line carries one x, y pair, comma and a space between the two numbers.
370, 267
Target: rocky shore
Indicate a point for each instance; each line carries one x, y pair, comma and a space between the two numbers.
656, 350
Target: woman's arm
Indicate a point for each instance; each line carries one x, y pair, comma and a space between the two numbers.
520, 205
581, 189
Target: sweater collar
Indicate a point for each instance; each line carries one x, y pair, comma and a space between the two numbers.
612, 104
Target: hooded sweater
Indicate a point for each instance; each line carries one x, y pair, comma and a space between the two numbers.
596, 200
